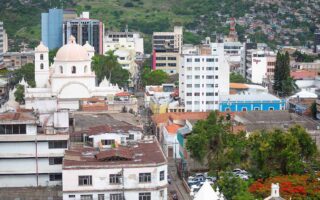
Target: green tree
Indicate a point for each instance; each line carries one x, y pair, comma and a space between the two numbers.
154, 77
283, 85
108, 66
19, 94
313, 109
26, 72
237, 78
234, 188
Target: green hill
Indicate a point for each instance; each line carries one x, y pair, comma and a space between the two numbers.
200, 18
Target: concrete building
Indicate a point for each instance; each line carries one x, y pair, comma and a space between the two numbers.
251, 102
137, 171
317, 41
15, 60
260, 66
5, 41
123, 40
167, 47
1, 45
84, 30
30, 156
203, 77
51, 28
233, 51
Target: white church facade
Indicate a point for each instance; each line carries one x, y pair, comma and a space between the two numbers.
68, 80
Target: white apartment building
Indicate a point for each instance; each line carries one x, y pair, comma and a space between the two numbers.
28, 156
233, 51
203, 77
167, 47
123, 40
135, 172
260, 65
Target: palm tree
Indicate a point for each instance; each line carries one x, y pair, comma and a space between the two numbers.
111, 62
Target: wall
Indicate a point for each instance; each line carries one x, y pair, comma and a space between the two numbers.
250, 106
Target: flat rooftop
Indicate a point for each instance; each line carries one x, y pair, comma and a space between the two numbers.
17, 118
142, 154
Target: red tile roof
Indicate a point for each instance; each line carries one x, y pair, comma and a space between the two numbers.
303, 74
123, 94
163, 118
17, 116
173, 128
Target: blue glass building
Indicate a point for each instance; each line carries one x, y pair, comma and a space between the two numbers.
51, 28
250, 102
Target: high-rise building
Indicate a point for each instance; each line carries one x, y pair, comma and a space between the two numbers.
203, 77
84, 30
1, 45
167, 47
317, 41
5, 41
51, 28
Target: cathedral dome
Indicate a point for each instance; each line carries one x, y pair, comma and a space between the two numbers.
72, 52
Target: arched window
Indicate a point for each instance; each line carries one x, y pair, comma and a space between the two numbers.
85, 69
74, 70
61, 69
41, 56
41, 66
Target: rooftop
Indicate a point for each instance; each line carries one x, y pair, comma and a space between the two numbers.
238, 86
17, 117
303, 74
173, 128
163, 118
108, 129
141, 154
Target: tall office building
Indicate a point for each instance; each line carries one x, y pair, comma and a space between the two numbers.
84, 29
51, 28
1, 45
167, 47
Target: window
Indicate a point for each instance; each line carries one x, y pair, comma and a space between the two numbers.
197, 94
41, 56
197, 60
197, 85
58, 144
172, 64
210, 60
85, 180
189, 85
161, 64
74, 70
55, 161
227, 109
172, 58
41, 66
189, 102
189, 76
189, 60
61, 70
160, 58
161, 193
209, 68
209, 102
86, 197
256, 108
100, 196
216, 85
85, 69
216, 59
216, 94
244, 109
189, 68
145, 196
144, 177
197, 103
55, 177
197, 77
72, 196
216, 77
131, 137
189, 94
116, 196
209, 85
107, 142
115, 178
161, 175
209, 94
13, 129
197, 68
217, 68
210, 77
271, 108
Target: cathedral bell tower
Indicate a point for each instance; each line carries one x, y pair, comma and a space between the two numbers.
41, 67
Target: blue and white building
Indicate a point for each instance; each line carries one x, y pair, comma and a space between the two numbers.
251, 102
51, 28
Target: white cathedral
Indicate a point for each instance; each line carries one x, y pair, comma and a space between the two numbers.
68, 80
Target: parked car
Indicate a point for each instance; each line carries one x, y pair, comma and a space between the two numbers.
194, 181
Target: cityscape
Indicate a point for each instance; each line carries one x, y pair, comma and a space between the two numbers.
159, 100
